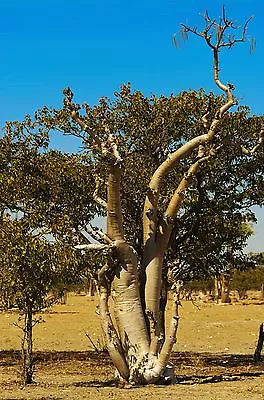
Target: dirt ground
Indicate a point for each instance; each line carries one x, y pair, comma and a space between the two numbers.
213, 355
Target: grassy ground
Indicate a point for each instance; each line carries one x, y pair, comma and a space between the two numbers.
213, 356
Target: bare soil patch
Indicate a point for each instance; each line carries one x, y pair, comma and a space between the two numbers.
213, 356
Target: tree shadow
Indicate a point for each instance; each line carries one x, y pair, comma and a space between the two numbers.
97, 383
213, 359
11, 357
190, 367
196, 379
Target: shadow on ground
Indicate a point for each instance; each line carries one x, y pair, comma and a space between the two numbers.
97, 371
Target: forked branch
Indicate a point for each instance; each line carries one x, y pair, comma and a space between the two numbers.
216, 35
75, 115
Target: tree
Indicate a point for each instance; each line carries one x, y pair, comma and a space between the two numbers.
38, 202
31, 266
166, 140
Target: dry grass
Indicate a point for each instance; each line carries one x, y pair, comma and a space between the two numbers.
213, 356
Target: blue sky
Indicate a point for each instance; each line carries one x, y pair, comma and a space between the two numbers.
94, 46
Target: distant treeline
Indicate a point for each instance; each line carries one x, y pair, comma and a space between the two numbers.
241, 281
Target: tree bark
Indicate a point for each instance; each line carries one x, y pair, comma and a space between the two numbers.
128, 309
125, 293
225, 287
153, 265
27, 347
112, 340
257, 354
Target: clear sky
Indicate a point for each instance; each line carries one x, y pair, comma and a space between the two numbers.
94, 46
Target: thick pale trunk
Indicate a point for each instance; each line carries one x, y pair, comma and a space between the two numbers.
154, 256
152, 298
128, 308
128, 311
112, 340
114, 214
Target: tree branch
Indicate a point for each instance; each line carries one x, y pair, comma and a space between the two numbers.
260, 143
161, 363
170, 340
96, 197
91, 246
100, 234
178, 198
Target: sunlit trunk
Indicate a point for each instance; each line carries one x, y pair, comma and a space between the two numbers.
225, 287
129, 315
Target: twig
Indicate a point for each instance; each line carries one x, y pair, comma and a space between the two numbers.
90, 339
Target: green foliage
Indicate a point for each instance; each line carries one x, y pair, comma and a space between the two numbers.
216, 208
46, 198
31, 266
53, 191
250, 278
206, 285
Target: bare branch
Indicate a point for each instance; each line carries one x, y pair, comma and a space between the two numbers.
96, 197
171, 337
217, 31
205, 120
74, 109
89, 232
178, 197
91, 246
100, 234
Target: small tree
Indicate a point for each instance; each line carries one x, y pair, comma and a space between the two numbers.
36, 250
31, 267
